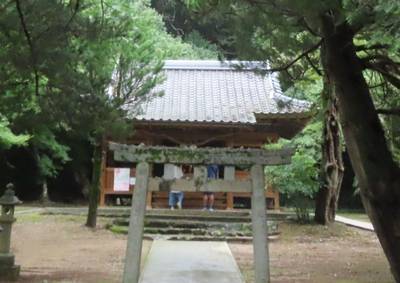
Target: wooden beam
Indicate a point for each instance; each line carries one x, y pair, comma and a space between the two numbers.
102, 199
149, 200
204, 156
247, 137
229, 174
193, 185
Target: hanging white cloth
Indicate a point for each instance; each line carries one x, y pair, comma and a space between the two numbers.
172, 172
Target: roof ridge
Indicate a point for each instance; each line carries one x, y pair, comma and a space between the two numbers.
196, 94
232, 65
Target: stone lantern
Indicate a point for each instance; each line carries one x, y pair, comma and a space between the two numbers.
8, 269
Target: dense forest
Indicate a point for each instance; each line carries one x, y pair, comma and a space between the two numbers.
53, 160
58, 59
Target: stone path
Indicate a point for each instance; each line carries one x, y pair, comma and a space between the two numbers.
29, 210
190, 262
355, 223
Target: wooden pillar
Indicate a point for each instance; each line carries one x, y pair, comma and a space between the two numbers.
276, 200
149, 200
259, 225
229, 201
229, 174
102, 201
136, 223
103, 175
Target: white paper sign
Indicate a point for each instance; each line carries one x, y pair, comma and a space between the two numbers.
132, 181
121, 179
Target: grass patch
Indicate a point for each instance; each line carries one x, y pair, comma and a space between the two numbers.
248, 274
118, 229
29, 218
292, 230
37, 217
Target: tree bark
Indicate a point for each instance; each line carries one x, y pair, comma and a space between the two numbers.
45, 194
44, 198
377, 173
94, 192
332, 170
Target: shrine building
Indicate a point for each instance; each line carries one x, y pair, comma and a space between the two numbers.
208, 104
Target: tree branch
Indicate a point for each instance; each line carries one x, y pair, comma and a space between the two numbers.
76, 8
30, 44
303, 21
389, 69
318, 71
392, 79
294, 61
284, 11
394, 111
365, 47
381, 59
102, 14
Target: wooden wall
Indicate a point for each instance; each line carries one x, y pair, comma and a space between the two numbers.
199, 135
192, 200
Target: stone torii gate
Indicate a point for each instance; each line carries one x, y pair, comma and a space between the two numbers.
144, 156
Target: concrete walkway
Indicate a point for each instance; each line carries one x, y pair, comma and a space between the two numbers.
190, 262
355, 223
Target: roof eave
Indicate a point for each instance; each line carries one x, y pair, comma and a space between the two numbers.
261, 118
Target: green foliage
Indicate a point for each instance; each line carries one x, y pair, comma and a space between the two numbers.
385, 29
45, 141
298, 181
301, 176
288, 35
8, 138
202, 48
72, 69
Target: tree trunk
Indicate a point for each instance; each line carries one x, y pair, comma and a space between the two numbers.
349, 194
44, 198
332, 170
373, 164
45, 194
94, 193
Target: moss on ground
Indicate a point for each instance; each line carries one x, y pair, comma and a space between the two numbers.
29, 217
118, 229
37, 217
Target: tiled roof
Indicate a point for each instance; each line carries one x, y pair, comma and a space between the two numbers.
211, 91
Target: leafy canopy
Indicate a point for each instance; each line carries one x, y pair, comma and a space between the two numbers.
59, 59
